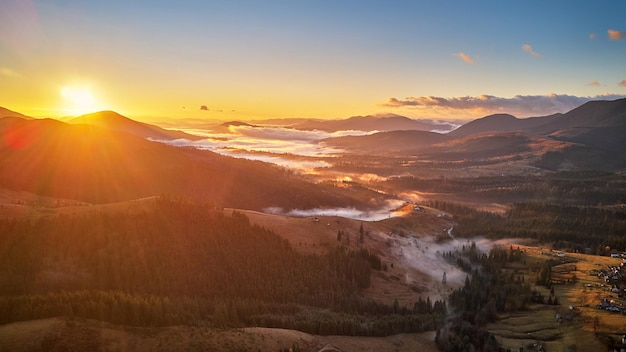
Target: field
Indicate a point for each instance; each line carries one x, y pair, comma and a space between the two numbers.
582, 326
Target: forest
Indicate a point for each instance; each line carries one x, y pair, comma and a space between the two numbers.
584, 229
188, 263
487, 292
584, 188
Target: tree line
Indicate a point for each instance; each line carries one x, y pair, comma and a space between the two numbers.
571, 227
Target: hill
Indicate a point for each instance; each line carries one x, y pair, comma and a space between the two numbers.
226, 126
115, 122
68, 334
589, 137
593, 114
95, 165
385, 122
500, 123
386, 142
4, 112
481, 146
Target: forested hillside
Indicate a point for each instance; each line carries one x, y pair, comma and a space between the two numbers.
184, 263
596, 230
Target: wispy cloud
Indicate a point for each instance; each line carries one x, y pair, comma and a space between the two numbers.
592, 36
622, 83
7, 72
529, 49
593, 84
616, 35
465, 57
519, 105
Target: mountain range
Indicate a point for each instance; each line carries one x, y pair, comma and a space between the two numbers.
589, 136
382, 122
106, 157
99, 165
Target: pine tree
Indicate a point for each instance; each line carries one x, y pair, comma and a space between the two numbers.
361, 234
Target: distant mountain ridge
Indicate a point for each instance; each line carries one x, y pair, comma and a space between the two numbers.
501, 123
590, 136
115, 122
593, 114
368, 123
4, 112
226, 126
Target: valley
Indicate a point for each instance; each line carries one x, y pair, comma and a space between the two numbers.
115, 235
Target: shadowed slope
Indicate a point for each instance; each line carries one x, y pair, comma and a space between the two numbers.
86, 163
386, 142
116, 122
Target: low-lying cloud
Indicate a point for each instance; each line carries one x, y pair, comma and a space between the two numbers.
286, 147
385, 212
519, 105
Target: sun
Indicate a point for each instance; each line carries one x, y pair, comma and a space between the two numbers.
77, 100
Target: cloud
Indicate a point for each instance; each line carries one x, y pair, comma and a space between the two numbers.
7, 72
592, 36
616, 35
529, 49
519, 105
465, 57
204, 108
622, 83
593, 84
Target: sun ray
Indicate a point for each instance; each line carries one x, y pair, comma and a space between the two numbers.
77, 100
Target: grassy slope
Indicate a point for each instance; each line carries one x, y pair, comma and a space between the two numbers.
66, 334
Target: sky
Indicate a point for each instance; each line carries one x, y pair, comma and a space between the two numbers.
248, 60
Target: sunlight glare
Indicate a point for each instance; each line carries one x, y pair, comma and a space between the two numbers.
78, 100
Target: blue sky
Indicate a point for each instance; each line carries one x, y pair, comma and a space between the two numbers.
260, 59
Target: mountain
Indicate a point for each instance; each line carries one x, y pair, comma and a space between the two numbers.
115, 122
501, 123
4, 112
226, 126
90, 164
385, 122
591, 115
386, 142
486, 145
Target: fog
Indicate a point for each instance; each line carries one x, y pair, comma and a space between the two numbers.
426, 255
390, 209
286, 147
